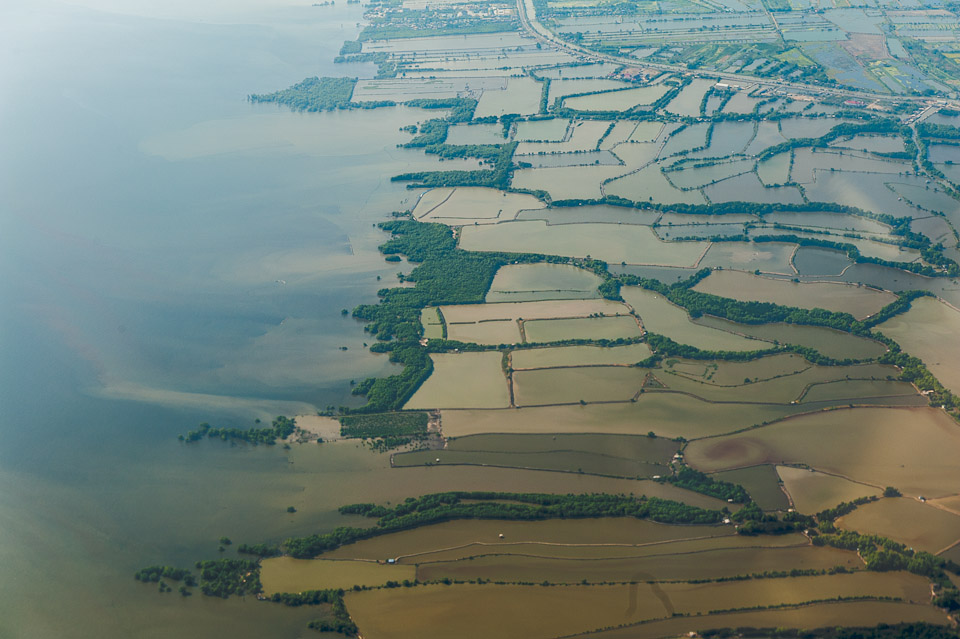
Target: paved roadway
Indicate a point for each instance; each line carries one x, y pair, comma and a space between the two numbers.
528, 20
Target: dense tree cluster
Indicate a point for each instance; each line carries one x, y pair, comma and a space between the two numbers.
225, 577
313, 94
281, 428
338, 620
699, 482
941, 131
154, 574
498, 177
844, 508
388, 429
260, 550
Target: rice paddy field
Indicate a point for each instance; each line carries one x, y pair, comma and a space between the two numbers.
849, 614
616, 100
659, 315
286, 574
578, 356
555, 330
909, 448
908, 521
463, 380
594, 537
707, 564
469, 205
858, 301
666, 414
768, 257
811, 491
531, 282
928, 331
610, 242
537, 611
577, 385
611, 455
551, 379
793, 434
547, 309
761, 482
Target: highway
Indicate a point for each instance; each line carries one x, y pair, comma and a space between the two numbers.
528, 20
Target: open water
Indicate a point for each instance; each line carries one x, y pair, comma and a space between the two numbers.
171, 254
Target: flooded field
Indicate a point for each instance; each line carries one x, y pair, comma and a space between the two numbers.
463, 380
812, 384
565, 461
562, 87
535, 611
577, 385
762, 483
610, 455
812, 491
708, 564
469, 205
771, 257
908, 521
578, 356
661, 316
849, 614
555, 330
521, 95
858, 301
609, 242
592, 213
286, 574
583, 135
733, 373
551, 130
576, 535
497, 331
928, 331
528, 282
666, 414
908, 448
616, 100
